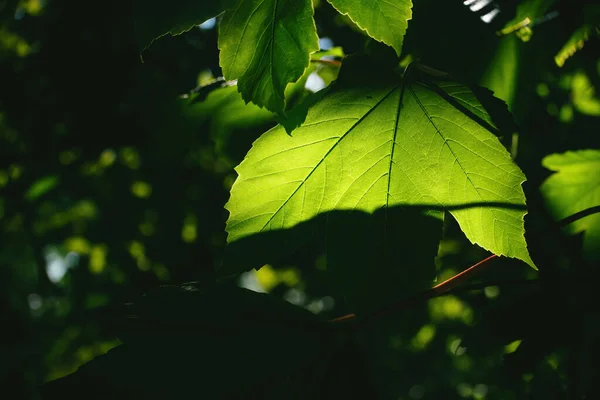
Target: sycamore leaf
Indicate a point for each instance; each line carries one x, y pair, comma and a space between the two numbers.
266, 45
156, 18
322, 75
376, 142
384, 21
573, 188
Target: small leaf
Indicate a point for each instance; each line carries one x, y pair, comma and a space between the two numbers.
156, 18
575, 43
266, 45
326, 71
573, 188
385, 21
227, 112
41, 187
583, 95
528, 14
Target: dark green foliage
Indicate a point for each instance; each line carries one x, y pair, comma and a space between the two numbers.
117, 158
181, 341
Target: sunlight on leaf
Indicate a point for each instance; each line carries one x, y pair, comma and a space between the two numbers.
584, 95
575, 187
140, 189
266, 45
97, 259
41, 187
529, 13
156, 18
423, 337
390, 142
384, 21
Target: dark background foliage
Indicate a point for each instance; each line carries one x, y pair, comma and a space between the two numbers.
111, 184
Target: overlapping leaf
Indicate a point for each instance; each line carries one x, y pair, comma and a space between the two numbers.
157, 18
186, 341
377, 142
266, 45
384, 20
575, 187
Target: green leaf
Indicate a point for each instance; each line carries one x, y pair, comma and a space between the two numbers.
575, 42
266, 45
377, 142
384, 21
501, 75
41, 187
573, 188
300, 99
583, 95
227, 112
156, 18
528, 14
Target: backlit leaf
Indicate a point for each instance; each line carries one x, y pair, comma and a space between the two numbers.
575, 187
266, 45
157, 18
385, 20
372, 143
575, 43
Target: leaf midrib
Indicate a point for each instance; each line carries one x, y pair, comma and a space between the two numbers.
326, 154
453, 154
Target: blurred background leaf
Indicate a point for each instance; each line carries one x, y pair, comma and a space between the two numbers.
141, 176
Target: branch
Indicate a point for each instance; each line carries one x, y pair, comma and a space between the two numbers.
578, 215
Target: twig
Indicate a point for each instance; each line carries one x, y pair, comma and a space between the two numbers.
451, 284
334, 63
435, 291
578, 215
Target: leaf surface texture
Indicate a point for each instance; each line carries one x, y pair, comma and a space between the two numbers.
388, 142
266, 45
575, 187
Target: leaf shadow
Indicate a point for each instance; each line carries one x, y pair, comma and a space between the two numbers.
370, 259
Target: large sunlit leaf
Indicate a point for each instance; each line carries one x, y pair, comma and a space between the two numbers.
420, 142
573, 188
156, 18
385, 21
266, 45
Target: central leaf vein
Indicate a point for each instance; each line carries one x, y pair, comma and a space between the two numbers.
325, 157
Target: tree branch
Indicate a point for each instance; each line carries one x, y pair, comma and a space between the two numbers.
578, 215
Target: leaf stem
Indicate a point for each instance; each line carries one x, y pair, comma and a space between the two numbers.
435, 291
450, 284
334, 63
